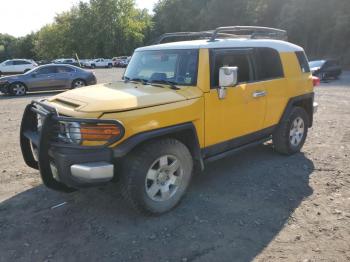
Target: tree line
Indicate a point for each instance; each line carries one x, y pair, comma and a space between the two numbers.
107, 28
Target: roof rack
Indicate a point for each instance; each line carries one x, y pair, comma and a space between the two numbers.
252, 32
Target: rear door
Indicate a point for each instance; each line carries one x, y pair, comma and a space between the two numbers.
270, 75
63, 76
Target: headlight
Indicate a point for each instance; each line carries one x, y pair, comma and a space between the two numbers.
73, 132
89, 134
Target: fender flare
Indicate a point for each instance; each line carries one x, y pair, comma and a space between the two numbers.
129, 144
308, 98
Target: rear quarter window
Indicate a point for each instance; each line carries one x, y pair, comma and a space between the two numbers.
303, 62
269, 65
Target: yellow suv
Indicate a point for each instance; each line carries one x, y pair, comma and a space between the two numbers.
179, 105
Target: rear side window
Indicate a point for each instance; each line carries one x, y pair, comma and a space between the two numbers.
64, 69
238, 58
269, 65
304, 64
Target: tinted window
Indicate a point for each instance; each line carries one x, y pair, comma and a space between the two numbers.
241, 59
46, 70
268, 63
8, 63
304, 64
64, 69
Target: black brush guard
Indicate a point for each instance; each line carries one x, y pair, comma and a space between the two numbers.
49, 150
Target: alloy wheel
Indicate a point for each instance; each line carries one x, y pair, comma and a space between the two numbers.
79, 83
164, 178
297, 131
19, 89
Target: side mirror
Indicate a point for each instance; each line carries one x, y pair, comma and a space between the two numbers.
228, 77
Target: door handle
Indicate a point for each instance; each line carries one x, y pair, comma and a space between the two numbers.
258, 94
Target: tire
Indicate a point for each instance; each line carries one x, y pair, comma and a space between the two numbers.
110, 66
18, 89
290, 135
155, 176
93, 66
78, 83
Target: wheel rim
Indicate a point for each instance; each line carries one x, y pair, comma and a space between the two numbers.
79, 83
297, 130
19, 89
164, 178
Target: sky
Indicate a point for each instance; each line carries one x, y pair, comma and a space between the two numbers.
21, 17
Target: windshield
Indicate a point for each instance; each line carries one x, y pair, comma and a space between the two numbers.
176, 66
318, 63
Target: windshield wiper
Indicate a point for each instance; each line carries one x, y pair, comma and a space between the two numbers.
162, 81
138, 80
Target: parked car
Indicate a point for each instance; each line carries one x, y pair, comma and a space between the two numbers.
47, 77
124, 63
16, 66
66, 61
180, 106
118, 61
99, 62
325, 69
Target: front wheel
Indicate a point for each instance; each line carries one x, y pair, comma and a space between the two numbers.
289, 137
156, 175
17, 89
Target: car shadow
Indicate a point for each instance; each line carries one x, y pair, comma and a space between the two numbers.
32, 95
231, 213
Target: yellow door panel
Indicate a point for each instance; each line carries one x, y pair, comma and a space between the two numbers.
276, 100
237, 115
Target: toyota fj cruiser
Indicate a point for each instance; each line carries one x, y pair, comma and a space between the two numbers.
180, 105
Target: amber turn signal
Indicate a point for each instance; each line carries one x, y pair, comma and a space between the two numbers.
102, 132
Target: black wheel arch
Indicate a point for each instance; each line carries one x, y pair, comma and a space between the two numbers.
304, 101
186, 133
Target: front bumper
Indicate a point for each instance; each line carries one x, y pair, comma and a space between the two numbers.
62, 167
4, 87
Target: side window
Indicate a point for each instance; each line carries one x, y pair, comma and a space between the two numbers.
240, 59
304, 64
64, 69
46, 70
26, 63
9, 63
269, 64
18, 62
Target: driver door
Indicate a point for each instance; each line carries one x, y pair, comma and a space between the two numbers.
236, 119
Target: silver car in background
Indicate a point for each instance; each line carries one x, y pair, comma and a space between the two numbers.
45, 78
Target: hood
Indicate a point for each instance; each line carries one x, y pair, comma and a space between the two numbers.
9, 78
120, 96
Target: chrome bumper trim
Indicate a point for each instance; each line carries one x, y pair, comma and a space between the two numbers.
93, 171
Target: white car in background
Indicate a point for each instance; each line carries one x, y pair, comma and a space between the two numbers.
17, 66
99, 62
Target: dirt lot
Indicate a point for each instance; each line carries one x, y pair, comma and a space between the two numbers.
257, 205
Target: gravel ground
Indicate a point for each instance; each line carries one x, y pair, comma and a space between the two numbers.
254, 206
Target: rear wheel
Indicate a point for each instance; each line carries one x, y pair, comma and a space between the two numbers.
18, 89
290, 135
78, 83
156, 175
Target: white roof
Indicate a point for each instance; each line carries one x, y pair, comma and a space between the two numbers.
281, 46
